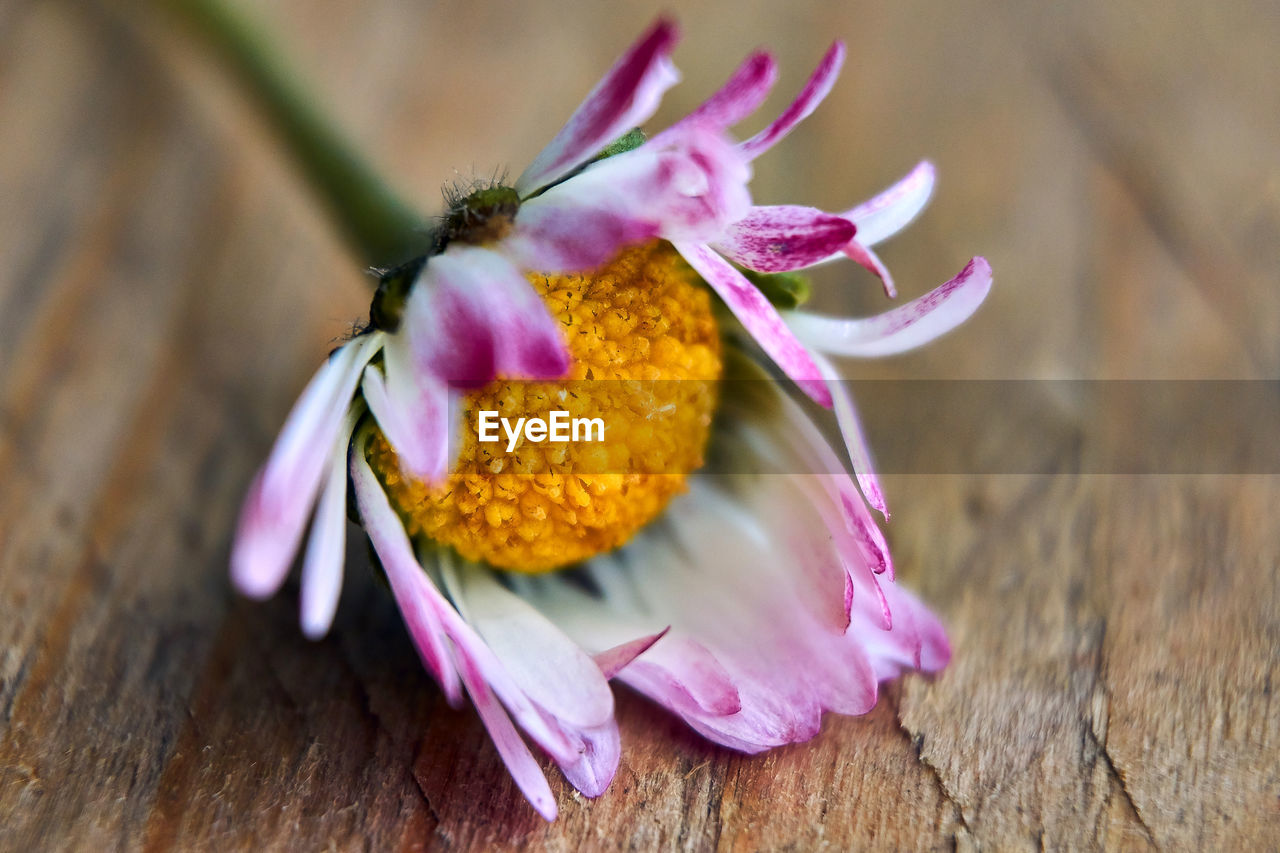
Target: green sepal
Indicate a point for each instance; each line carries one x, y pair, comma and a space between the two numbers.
783, 289
393, 290
629, 141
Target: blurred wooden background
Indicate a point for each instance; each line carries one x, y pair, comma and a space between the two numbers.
166, 288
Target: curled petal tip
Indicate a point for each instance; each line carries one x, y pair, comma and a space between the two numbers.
258, 563
550, 361
817, 390
887, 213
813, 93
666, 30
905, 327
740, 96
614, 660
780, 238
546, 807
252, 584
313, 629
626, 97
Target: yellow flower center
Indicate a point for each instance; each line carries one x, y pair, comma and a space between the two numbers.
645, 356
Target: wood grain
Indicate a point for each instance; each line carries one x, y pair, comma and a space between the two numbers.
166, 288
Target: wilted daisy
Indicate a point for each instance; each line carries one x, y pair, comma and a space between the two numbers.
749, 597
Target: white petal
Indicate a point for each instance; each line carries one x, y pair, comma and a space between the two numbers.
625, 98
738, 98
720, 571
473, 315
326, 546
544, 663
284, 491
813, 93
782, 435
738, 595
413, 410
676, 667
595, 769
516, 756
889, 212
420, 603
759, 318
855, 440
903, 328
691, 187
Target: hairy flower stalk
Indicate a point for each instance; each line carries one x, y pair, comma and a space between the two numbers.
618, 278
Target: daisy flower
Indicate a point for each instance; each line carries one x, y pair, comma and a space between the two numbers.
711, 553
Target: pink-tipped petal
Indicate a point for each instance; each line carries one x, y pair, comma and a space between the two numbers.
686, 685
690, 188
283, 493
759, 318
903, 328
784, 642
612, 661
784, 237
721, 572
817, 87
543, 663
473, 315
866, 534
677, 668
734, 589
413, 411
855, 440
886, 615
894, 209
449, 647
916, 641
789, 441
825, 573
573, 232
593, 770
515, 754
326, 545
415, 596
626, 97
870, 261
738, 98
472, 651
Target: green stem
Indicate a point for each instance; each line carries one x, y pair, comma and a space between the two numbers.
377, 223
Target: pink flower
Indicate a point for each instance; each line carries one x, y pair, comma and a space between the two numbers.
747, 610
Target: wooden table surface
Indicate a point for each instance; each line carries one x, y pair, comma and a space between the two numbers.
167, 286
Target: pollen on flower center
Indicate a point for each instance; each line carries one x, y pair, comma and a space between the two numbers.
645, 356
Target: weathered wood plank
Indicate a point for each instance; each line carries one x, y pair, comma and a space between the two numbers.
166, 288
